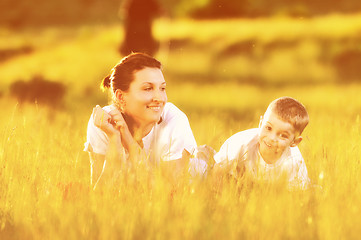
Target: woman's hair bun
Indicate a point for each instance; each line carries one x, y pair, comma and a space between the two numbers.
105, 83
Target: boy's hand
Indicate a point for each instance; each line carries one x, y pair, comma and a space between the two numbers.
206, 153
202, 161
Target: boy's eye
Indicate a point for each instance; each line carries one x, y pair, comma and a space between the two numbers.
284, 136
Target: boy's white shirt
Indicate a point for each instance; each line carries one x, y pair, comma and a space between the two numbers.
242, 149
166, 141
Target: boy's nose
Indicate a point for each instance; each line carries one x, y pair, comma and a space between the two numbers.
273, 137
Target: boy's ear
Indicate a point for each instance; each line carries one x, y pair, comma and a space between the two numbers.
296, 141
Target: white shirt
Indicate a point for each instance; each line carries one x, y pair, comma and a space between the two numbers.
242, 150
166, 141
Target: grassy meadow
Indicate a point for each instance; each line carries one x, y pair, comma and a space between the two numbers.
222, 74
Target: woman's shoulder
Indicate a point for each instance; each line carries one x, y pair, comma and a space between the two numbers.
171, 111
170, 107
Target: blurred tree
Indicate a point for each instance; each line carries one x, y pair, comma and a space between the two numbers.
139, 15
182, 8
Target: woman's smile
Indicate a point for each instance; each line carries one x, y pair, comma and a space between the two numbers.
146, 96
156, 108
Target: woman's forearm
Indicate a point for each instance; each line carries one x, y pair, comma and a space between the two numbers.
105, 167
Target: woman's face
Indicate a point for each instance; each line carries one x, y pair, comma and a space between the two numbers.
146, 96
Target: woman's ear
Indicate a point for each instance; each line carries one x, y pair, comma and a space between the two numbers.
119, 94
260, 121
296, 141
120, 100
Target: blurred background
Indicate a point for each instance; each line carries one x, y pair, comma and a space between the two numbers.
246, 41
218, 55
224, 61
224, 58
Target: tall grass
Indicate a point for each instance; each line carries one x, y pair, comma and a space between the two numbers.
44, 174
45, 177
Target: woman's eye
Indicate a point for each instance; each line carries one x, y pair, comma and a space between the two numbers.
162, 89
268, 128
148, 89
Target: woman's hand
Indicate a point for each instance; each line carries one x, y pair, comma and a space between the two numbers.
117, 120
111, 123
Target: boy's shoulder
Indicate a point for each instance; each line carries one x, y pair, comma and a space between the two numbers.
236, 145
295, 154
243, 137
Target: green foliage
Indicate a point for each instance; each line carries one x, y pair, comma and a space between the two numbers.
262, 8
23, 13
270, 51
263, 51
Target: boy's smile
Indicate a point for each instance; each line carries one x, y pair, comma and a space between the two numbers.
274, 137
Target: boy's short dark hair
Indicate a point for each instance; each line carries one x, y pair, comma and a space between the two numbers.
292, 111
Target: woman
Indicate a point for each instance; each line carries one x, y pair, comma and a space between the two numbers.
139, 122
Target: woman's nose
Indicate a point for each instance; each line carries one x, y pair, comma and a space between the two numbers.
158, 96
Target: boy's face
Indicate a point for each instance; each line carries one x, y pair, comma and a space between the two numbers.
275, 136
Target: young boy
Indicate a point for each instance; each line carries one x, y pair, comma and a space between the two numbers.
269, 153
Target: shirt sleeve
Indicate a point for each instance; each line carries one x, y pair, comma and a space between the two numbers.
237, 152
300, 177
222, 154
181, 138
97, 140
303, 176
173, 135
232, 148
227, 156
